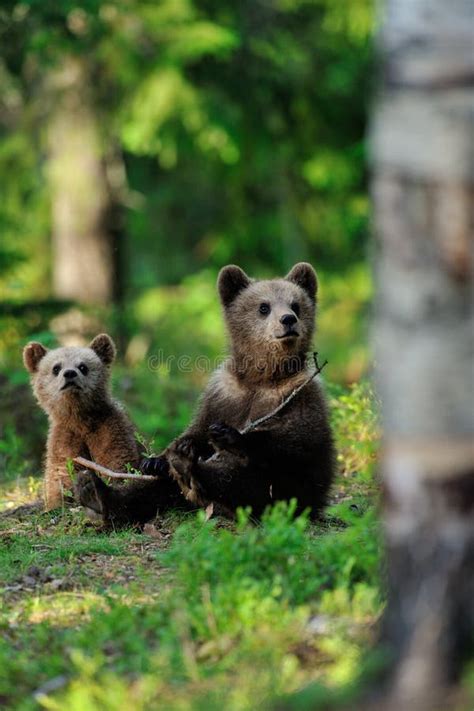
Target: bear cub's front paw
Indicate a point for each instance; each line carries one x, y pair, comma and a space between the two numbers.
225, 437
182, 457
186, 448
154, 466
88, 489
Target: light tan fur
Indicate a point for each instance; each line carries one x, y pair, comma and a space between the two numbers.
72, 386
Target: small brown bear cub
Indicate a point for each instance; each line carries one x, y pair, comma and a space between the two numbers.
291, 454
72, 386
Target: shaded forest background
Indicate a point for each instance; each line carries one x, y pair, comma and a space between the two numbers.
146, 144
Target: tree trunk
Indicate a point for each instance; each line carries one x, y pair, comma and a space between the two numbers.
422, 155
84, 236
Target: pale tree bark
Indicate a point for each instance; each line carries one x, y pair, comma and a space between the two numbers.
83, 210
423, 161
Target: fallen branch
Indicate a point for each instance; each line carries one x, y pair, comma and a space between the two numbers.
104, 471
260, 420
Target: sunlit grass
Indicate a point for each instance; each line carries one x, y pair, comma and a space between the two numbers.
61, 609
204, 620
202, 615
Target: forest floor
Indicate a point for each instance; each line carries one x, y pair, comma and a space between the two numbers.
195, 614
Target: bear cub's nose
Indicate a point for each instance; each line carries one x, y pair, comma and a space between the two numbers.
70, 374
288, 319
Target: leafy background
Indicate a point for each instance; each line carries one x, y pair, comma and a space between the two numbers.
237, 132
227, 132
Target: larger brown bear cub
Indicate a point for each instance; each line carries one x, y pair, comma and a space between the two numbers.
290, 455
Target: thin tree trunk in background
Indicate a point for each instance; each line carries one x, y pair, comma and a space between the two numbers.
423, 159
82, 209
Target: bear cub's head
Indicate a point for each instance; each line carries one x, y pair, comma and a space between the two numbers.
70, 377
269, 318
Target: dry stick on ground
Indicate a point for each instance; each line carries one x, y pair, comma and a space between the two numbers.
260, 420
108, 472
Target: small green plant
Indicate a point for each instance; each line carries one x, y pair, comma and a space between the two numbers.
71, 470
146, 444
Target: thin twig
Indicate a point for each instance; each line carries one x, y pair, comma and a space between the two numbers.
260, 420
108, 472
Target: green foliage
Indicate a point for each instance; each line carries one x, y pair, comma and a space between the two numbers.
276, 556
240, 131
229, 602
160, 406
355, 422
231, 155
13, 463
241, 127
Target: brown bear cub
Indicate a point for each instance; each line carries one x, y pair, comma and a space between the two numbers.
72, 386
290, 455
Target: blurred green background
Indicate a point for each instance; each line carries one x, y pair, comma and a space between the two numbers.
143, 146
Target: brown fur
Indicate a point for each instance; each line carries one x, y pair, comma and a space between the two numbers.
291, 454
84, 419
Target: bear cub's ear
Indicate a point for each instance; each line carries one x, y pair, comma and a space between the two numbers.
32, 354
230, 282
104, 346
304, 276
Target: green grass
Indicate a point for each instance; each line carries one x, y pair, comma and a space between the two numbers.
197, 614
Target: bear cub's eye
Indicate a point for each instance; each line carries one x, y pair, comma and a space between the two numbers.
83, 368
56, 369
295, 307
264, 309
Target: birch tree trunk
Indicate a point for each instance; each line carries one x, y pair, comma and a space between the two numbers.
84, 249
423, 159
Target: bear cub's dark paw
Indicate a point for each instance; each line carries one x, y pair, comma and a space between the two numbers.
89, 491
154, 466
186, 448
224, 436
